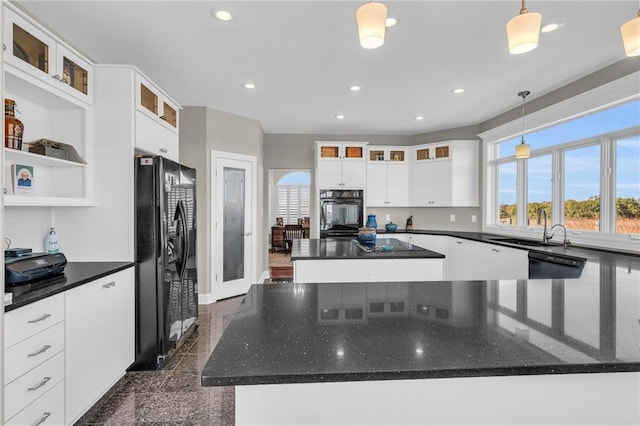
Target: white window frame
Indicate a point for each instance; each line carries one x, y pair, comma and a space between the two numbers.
606, 96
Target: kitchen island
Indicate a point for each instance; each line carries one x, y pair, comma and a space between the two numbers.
548, 351
344, 260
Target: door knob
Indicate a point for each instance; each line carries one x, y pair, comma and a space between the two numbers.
247, 234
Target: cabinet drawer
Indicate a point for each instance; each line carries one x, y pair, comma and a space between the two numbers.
32, 385
32, 352
46, 410
27, 321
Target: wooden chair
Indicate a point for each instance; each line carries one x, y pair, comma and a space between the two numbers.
292, 232
277, 239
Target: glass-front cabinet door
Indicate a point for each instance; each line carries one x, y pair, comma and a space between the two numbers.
29, 49
439, 151
26, 47
391, 154
74, 74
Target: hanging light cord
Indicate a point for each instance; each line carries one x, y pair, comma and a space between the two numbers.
522, 132
523, 95
523, 9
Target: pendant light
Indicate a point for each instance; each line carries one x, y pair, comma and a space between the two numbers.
522, 150
630, 31
371, 18
523, 31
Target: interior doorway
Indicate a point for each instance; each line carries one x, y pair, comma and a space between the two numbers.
289, 205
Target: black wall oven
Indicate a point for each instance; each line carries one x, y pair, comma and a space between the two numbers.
341, 212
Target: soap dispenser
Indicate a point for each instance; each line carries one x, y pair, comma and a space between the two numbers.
52, 242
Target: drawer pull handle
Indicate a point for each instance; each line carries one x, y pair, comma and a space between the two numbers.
41, 350
107, 285
163, 150
42, 419
43, 382
42, 318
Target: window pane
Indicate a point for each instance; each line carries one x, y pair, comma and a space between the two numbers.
616, 118
582, 188
539, 187
628, 185
507, 184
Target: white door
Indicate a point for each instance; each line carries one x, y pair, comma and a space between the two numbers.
233, 242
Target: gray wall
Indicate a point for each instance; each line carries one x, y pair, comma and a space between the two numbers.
203, 130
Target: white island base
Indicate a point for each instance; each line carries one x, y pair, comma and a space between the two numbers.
367, 270
556, 399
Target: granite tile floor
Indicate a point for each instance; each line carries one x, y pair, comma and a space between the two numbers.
173, 396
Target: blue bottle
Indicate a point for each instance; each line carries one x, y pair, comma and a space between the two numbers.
371, 221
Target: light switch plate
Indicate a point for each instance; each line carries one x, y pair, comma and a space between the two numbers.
474, 218
452, 218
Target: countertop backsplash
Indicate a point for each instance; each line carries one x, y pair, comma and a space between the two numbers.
434, 218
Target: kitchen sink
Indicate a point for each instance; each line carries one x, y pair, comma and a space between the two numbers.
530, 243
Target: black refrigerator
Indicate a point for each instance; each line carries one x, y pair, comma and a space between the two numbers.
166, 275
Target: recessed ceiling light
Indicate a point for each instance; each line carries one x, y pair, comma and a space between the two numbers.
222, 15
551, 26
249, 86
419, 117
457, 91
354, 88
419, 351
390, 22
340, 116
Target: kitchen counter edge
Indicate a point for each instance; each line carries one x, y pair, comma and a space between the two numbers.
75, 274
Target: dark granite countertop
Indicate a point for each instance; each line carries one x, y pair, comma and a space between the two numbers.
75, 274
327, 248
590, 253
297, 333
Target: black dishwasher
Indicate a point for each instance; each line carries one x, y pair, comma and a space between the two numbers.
551, 265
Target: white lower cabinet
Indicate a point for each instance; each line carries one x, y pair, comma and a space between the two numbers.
46, 410
33, 360
472, 260
99, 339
437, 243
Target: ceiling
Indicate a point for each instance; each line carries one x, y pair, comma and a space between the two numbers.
304, 55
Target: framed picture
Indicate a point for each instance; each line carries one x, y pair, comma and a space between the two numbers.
279, 221
23, 179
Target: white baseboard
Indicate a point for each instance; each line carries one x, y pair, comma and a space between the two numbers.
205, 299
208, 298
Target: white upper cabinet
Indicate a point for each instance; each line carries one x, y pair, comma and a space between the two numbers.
444, 174
57, 109
341, 165
30, 49
156, 120
387, 176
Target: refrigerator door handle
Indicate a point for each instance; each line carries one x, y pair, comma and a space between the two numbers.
185, 238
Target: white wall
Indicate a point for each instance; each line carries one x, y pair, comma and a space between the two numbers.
203, 130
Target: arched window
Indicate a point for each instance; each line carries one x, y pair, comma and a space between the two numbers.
290, 197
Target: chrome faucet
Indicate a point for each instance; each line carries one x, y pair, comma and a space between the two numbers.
545, 233
565, 242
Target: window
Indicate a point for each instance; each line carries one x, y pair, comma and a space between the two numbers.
584, 172
507, 184
582, 188
538, 188
290, 197
628, 185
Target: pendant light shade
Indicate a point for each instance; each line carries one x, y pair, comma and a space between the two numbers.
523, 31
371, 19
631, 36
523, 150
